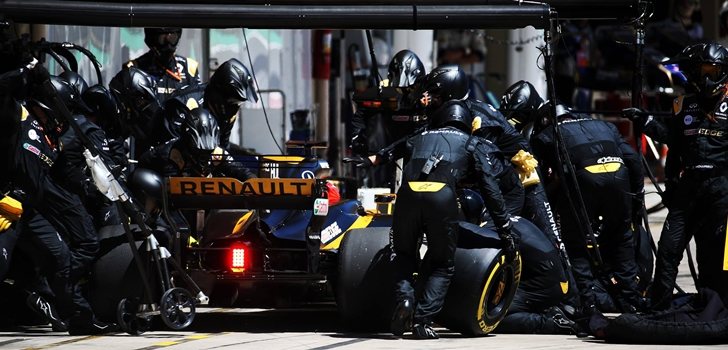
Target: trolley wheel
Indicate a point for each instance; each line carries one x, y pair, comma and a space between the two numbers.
126, 317
177, 308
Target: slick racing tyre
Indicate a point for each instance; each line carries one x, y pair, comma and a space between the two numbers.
481, 291
365, 289
115, 275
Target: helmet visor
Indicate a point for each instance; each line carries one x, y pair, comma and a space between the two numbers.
712, 71
170, 38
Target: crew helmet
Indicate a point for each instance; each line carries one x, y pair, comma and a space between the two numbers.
404, 69
229, 87
444, 83
136, 93
706, 68
520, 102
452, 113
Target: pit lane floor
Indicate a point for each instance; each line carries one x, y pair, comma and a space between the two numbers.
309, 327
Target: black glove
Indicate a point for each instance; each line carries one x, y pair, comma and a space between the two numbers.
359, 161
636, 115
510, 243
360, 144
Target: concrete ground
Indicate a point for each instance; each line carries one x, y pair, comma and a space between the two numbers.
311, 327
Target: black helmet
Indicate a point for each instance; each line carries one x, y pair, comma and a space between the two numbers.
472, 205
229, 87
404, 69
70, 87
542, 116
520, 102
147, 187
452, 113
136, 93
104, 107
200, 132
444, 83
77, 82
43, 99
163, 40
706, 68
68, 94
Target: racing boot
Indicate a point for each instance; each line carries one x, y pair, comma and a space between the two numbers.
85, 325
424, 331
402, 317
558, 322
46, 311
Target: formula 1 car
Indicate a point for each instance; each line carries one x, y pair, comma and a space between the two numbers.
270, 241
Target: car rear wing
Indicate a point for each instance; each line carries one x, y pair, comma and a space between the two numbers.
257, 193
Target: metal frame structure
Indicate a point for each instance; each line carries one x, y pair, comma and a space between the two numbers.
310, 14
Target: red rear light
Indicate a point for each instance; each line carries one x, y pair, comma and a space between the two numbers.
372, 104
238, 259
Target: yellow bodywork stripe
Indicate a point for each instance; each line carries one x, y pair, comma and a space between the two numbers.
603, 168
284, 158
426, 186
241, 223
725, 251
360, 222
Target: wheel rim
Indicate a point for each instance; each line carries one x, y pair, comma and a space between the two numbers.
126, 317
177, 308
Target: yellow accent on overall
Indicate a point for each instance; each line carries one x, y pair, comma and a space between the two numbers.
192, 66
192, 103
23, 113
564, 287
603, 168
425, 186
477, 122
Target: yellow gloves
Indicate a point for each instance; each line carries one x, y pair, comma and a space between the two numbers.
10, 211
4, 223
526, 167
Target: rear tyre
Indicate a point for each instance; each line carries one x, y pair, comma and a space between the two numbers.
365, 283
115, 276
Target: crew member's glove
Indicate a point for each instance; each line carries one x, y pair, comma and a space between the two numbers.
526, 165
636, 115
359, 161
10, 211
4, 223
360, 144
510, 242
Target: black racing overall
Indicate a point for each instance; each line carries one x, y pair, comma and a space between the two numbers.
436, 162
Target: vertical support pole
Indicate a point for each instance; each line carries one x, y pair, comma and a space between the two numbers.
565, 169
